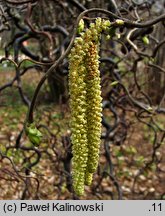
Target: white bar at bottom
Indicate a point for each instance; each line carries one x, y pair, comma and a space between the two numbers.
82, 207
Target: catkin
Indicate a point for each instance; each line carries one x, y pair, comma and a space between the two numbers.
94, 107
85, 104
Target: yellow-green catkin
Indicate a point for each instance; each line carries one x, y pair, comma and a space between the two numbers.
85, 104
94, 107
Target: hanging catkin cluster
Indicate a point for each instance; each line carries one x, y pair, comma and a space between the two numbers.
85, 104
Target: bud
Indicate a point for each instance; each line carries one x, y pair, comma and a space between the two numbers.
119, 22
80, 26
34, 135
145, 40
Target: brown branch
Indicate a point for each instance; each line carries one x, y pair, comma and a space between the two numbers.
127, 23
21, 2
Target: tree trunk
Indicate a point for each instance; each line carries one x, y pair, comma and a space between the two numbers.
156, 87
